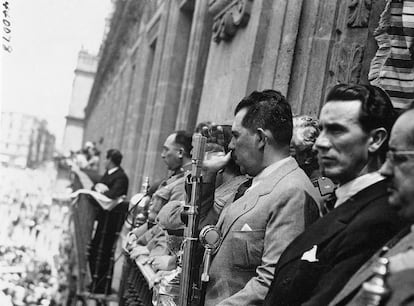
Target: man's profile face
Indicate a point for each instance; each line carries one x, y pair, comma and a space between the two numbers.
342, 144
400, 171
171, 153
108, 163
244, 146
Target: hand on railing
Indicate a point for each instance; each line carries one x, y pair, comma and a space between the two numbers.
139, 250
130, 242
163, 262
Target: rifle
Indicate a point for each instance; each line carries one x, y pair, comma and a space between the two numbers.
189, 273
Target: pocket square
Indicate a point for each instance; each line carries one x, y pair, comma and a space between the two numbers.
246, 228
310, 255
402, 261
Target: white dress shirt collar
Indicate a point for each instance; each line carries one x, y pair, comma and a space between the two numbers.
112, 170
344, 192
262, 176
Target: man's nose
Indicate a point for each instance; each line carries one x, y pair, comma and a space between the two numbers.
322, 142
231, 144
386, 169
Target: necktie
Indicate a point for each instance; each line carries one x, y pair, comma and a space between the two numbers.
240, 192
242, 189
329, 203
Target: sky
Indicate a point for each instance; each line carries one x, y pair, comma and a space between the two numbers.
46, 37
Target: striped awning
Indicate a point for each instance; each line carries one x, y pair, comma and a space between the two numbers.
393, 66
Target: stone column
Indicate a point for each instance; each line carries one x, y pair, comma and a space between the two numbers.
146, 126
164, 88
195, 67
335, 44
281, 27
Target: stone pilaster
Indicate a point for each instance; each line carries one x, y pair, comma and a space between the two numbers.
195, 66
275, 55
164, 88
335, 44
159, 22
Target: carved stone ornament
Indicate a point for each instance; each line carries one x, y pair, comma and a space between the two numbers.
347, 64
227, 21
359, 13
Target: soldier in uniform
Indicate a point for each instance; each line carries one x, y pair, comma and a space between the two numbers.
176, 155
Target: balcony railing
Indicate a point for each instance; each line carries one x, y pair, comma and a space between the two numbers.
95, 232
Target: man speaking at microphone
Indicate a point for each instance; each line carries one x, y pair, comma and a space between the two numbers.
281, 201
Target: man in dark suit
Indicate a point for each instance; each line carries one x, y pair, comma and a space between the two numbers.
399, 170
355, 123
114, 183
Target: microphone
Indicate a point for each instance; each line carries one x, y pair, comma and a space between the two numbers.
210, 238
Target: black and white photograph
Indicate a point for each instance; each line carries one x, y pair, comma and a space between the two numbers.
207, 153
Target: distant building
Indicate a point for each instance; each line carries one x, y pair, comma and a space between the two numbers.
24, 140
41, 146
16, 129
82, 84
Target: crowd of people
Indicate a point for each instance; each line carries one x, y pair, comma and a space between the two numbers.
31, 266
303, 207
28, 281
87, 158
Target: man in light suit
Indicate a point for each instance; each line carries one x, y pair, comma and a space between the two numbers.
257, 226
399, 170
355, 123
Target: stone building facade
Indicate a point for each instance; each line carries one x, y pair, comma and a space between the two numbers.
168, 64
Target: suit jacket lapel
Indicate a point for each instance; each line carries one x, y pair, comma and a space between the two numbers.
249, 200
366, 270
332, 223
252, 199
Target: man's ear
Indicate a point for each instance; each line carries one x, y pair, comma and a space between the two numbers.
181, 153
262, 138
377, 138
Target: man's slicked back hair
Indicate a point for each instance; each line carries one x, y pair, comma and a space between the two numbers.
268, 110
184, 139
376, 107
115, 156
